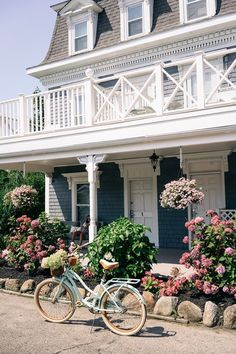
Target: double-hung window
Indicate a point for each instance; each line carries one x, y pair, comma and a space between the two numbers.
193, 10
135, 19
81, 36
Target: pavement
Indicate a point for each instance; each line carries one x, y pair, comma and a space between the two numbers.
168, 259
24, 331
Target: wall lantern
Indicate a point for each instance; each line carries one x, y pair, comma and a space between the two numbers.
154, 160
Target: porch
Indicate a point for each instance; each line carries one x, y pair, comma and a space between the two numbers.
204, 82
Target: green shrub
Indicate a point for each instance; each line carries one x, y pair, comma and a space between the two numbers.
126, 243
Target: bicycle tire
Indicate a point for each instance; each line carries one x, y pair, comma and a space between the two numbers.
63, 306
133, 316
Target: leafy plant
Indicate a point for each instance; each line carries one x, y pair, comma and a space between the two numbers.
213, 256
125, 242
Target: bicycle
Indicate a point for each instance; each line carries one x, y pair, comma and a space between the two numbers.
121, 305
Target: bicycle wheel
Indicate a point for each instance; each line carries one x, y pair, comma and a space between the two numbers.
126, 313
54, 302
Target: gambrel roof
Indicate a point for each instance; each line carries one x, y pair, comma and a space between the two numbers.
165, 16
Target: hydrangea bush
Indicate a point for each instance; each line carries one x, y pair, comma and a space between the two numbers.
32, 240
181, 193
213, 256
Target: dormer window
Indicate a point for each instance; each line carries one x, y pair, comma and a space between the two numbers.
194, 10
82, 17
135, 18
81, 36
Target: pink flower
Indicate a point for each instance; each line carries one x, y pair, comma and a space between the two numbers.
229, 251
185, 240
198, 219
211, 212
206, 262
228, 230
34, 224
191, 228
215, 220
220, 269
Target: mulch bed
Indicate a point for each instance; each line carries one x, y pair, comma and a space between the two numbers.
8, 272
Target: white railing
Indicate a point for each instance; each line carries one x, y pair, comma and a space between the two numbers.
195, 83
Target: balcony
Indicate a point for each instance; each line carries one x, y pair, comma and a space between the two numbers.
197, 83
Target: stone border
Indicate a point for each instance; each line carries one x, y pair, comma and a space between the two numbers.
165, 308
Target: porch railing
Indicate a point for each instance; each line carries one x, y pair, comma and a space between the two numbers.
195, 83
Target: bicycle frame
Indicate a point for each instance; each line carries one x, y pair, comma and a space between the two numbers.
94, 300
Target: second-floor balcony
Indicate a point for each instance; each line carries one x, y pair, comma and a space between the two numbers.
196, 83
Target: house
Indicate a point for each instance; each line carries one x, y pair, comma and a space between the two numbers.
126, 79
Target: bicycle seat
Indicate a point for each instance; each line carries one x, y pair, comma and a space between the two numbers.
108, 265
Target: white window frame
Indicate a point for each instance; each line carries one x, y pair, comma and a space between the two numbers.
147, 17
210, 7
91, 18
75, 38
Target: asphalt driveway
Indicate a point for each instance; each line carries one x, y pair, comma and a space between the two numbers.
23, 331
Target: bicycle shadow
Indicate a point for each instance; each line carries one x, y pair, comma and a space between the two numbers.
148, 332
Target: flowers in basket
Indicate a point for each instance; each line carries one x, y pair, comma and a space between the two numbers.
21, 197
181, 193
56, 261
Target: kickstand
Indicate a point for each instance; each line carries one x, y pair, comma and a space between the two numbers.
91, 328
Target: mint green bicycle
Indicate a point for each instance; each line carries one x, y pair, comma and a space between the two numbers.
121, 305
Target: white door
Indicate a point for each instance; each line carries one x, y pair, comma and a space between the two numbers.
211, 185
141, 203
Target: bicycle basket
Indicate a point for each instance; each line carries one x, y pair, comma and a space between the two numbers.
57, 272
72, 261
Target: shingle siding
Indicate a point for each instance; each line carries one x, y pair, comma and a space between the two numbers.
110, 193
171, 222
230, 183
165, 16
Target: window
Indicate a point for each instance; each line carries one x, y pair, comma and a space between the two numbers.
135, 20
193, 10
81, 36
81, 18
82, 202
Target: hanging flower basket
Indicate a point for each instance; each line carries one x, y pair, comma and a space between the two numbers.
180, 194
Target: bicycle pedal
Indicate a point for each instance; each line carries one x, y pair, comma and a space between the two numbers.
79, 303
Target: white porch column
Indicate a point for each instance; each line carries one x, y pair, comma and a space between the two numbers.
91, 162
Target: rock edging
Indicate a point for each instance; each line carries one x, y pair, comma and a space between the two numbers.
165, 308
168, 306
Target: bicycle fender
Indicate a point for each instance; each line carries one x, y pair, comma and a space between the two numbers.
124, 285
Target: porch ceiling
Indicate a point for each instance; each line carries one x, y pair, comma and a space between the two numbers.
47, 164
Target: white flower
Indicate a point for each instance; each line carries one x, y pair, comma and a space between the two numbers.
108, 256
179, 194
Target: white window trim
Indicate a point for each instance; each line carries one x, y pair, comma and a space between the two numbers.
91, 17
211, 11
147, 17
73, 179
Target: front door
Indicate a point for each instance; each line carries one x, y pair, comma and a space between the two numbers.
141, 204
211, 185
